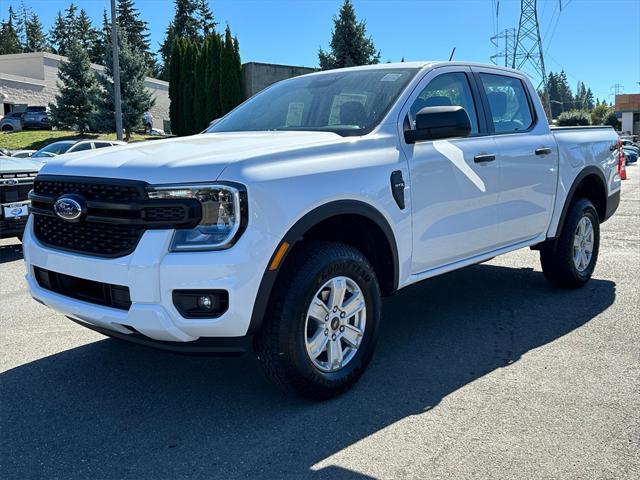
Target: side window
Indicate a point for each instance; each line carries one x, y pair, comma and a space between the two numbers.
102, 144
81, 147
445, 90
508, 102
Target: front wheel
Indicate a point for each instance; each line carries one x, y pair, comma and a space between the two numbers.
570, 260
321, 326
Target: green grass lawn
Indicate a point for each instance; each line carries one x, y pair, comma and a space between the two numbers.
36, 139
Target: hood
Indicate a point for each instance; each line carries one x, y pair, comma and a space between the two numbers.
198, 158
18, 165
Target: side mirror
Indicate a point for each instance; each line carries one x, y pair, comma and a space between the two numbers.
433, 123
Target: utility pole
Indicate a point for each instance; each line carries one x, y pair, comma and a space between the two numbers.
528, 48
509, 36
116, 70
617, 88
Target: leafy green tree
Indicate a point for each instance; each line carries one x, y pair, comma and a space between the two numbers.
36, 40
600, 112
574, 118
230, 74
9, 40
349, 42
612, 120
136, 99
74, 105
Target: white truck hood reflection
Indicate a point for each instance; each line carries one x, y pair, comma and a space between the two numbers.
198, 158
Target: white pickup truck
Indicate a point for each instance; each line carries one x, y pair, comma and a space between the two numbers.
283, 225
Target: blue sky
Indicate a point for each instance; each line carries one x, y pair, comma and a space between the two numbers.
596, 41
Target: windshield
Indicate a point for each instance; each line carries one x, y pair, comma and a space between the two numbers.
52, 150
343, 102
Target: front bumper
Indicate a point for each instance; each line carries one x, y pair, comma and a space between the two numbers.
152, 273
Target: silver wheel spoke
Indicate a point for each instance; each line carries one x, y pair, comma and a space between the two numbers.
338, 290
352, 335
318, 343
318, 310
354, 305
335, 354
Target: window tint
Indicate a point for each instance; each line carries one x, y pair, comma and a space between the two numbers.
447, 89
81, 147
102, 144
510, 109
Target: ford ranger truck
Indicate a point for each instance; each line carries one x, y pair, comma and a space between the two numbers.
281, 227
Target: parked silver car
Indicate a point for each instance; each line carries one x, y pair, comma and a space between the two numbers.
11, 122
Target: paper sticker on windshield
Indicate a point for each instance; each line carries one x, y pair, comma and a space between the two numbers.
391, 77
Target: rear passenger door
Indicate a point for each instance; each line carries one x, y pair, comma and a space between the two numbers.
527, 154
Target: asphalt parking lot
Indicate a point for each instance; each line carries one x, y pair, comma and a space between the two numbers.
487, 372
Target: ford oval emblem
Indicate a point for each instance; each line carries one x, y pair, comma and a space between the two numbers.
69, 208
11, 181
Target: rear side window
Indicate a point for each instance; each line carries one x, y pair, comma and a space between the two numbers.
508, 103
81, 147
102, 144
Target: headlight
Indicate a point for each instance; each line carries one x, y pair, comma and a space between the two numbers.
224, 215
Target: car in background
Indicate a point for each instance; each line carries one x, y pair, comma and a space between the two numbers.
11, 122
73, 146
16, 181
23, 153
36, 118
631, 155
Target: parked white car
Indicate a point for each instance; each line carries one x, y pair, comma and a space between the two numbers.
73, 146
284, 224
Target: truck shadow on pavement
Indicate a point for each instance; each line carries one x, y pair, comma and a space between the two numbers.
113, 410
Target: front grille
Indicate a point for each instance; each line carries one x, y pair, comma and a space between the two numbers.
105, 192
117, 214
107, 294
99, 239
15, 189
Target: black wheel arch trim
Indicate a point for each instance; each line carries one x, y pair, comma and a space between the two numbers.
589, 170
295, 234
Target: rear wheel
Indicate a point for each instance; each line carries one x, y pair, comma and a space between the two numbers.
570, 260
7, 128
320, 329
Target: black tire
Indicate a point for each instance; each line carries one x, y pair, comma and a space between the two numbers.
556, 258
281, 343
7, 128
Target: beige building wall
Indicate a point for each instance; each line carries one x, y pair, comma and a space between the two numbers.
31, 79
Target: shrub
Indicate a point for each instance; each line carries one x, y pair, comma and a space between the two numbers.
574, 118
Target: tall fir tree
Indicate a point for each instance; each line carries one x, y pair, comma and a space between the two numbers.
36, 40
136, 31
200, 95
184, 25
74, 105
230, 74
102, 38
136, 99
9, 40
211, 86
22, 18
58, 37
175, 87
188, 82
86, 35
349, 42
206, 20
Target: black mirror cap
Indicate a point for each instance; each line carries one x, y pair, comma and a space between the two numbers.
433, 123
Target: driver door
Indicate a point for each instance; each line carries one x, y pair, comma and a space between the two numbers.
454, 182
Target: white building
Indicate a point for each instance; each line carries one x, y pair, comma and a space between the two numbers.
30, 79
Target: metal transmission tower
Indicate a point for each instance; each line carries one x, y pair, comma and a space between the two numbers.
528, 46
505, 55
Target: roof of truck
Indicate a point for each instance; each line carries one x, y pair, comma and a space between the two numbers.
421, 64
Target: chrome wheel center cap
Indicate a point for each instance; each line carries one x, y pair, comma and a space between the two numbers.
335, 323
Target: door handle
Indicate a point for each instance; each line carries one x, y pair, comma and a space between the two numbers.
543, 151
484, 158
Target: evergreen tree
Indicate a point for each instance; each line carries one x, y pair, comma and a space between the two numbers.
78, 87
86, 35
136, 99
564, 92
212, 78
230, 74
349, 42
22, 18
206, 21
102, 38
188, 82
184, 25
136, 31
200, 94
9, 40
36, 41
175, 88
58, 35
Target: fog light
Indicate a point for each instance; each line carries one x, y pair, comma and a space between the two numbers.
201, 303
